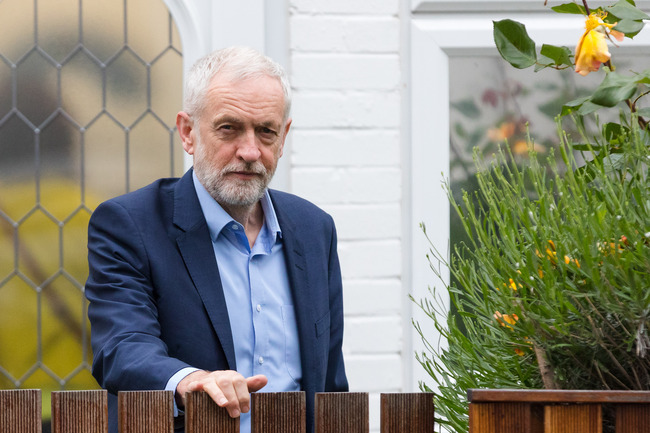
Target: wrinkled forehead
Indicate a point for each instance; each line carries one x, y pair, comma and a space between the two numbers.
255, 85
272, 83
258, 98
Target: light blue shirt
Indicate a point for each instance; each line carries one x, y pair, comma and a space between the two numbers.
260, 307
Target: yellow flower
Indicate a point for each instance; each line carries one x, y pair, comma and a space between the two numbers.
503, 132
528, 344
521, 147
506, 319
568, 260
550, 253
592, 48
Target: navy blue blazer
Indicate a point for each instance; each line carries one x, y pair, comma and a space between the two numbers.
156, 301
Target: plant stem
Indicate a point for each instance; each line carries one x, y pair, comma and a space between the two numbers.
584, 2
632, 105
548, 376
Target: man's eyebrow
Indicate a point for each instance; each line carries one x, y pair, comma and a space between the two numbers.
225, 119
268, 124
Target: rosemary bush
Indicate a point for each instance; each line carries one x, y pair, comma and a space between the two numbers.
554, 285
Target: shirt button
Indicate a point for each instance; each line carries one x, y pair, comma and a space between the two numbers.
259, 308
235, 226
261, 360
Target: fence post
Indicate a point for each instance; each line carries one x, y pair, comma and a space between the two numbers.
79, 412
20, 411
278, 412
338, 412
203, 415
409, 412
145, 411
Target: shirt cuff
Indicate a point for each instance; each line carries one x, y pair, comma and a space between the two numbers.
173, 381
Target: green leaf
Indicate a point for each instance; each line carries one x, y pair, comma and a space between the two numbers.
645, 112
588, 108
629, 27
514, 44
644, 77
625, 10
553, 107
574, 105
560, 55
587, 171
543, 62
570, 8
468, 108
615, 133
614, 89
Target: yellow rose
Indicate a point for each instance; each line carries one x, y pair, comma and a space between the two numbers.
592, 48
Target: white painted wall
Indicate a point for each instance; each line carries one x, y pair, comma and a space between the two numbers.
345, 69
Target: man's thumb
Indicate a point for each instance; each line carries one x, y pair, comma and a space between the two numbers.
255, 383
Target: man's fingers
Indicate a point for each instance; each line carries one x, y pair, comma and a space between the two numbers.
255, 383
216, 393
228, 389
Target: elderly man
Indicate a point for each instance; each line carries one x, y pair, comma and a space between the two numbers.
212, 282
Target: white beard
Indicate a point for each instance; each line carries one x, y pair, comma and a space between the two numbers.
233, 192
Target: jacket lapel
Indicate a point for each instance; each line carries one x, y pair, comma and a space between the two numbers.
298, 272
196, 249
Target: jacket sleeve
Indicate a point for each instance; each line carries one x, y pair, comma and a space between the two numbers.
125, 334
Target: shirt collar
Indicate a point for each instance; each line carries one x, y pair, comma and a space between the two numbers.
217, 218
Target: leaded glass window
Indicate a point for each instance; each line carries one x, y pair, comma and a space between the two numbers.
89, 90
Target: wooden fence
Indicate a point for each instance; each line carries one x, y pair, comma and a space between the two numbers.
152, 412
490, 411
558, 411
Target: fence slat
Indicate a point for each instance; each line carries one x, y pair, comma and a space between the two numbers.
338, 412
20, 411
202, 415
632, 418
407, 412
278, 412
575, 418
79, 412
145, 411
502, 417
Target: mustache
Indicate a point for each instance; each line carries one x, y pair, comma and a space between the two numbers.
253, 167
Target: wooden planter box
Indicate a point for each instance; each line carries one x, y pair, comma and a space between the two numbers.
558, 411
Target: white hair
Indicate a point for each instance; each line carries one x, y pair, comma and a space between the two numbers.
236, 63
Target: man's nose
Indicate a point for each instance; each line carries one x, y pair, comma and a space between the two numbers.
248, 148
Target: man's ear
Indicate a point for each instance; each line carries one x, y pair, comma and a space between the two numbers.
185, 126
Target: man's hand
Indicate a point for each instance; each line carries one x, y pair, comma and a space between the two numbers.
227, 388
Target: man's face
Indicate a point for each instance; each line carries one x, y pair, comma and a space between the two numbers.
238, 138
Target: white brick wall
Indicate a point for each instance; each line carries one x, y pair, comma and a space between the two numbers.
345, 157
